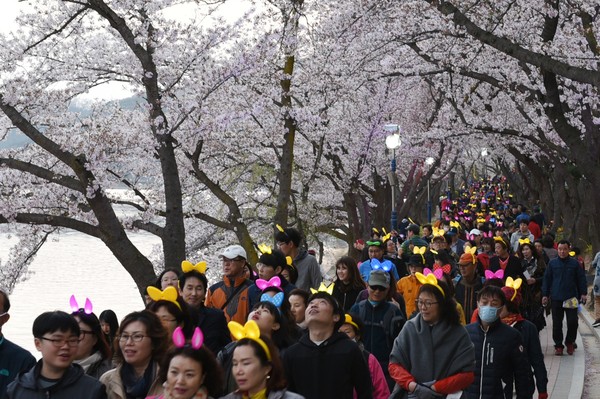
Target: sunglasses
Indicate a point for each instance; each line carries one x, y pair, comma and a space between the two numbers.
377, 287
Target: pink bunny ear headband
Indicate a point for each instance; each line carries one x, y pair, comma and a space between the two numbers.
195, 343
490, 274
87, 309
273, 282
438, 273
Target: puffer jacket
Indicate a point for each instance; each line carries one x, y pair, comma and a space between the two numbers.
73, 384
499, 352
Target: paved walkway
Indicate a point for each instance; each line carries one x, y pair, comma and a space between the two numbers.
565, 373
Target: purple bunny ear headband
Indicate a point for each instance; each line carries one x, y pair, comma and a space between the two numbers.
195, 343
87, 309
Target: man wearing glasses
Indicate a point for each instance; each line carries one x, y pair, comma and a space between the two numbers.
13, 358
231, 294
57, 337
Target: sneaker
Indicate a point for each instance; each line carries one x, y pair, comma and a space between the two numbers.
558, 351
596, 323
570, 348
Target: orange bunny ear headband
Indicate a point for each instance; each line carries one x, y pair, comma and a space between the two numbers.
251, 331
431, 280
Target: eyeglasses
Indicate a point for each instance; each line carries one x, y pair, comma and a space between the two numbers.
281, 243
84, 332
59, 343
425, 304
377, 287
226, 260
2, 314
123, 338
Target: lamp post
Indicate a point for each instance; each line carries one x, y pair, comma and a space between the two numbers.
392, 142
484, 153
429, 161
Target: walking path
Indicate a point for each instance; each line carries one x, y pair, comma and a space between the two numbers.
565, 373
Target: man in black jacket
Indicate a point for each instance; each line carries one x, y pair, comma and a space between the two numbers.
57, 336
13, 358
499, 351
326, 363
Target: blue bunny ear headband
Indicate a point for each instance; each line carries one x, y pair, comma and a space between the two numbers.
386, 265
276, 300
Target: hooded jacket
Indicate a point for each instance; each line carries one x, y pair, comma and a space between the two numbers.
330, 370
73, 384
309, 271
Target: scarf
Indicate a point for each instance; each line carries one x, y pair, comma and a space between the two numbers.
89, 361
512, 318
259, 395
137, 387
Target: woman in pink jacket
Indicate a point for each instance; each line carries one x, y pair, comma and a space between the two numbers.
352, 327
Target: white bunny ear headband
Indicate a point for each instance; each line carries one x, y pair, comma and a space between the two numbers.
195, 343
87, 308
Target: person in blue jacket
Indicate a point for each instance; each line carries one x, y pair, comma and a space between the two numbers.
563, 286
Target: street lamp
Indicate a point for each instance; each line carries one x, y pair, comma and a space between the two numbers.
484, 153
429, 161
392, 142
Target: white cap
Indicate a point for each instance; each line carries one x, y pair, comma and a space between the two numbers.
233, 251
475, 232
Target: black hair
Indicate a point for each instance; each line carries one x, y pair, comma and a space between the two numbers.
414, 228
276, 380
492, 291
92, 321
109, 317
333, 302
447, 305
281, 337
563, 241
6, 301
301, 293
274, 259
356, 280
213, 374
193, 273
181, 314
49, 322
289, 234
292, 273
158, 282
154, 329
360, 325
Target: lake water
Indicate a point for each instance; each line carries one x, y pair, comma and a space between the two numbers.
75, 264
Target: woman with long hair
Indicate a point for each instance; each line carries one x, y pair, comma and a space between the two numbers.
141, 344
533, 270
93, 352
348, 283
257, 369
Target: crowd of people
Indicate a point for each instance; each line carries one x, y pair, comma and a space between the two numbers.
451, 309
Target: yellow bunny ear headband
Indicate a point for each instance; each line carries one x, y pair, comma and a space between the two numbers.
348, 320
431, 280
251, 331
420, 251
187, 266
169, 294
323, 288
514, 284
264, 249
